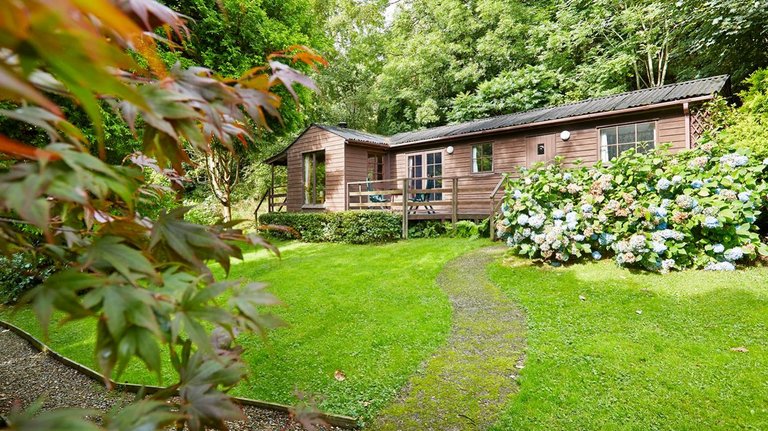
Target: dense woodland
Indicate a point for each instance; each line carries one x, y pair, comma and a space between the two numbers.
397, 65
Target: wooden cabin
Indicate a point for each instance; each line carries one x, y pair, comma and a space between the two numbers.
454, 172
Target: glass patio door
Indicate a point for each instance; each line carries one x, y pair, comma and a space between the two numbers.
423, 168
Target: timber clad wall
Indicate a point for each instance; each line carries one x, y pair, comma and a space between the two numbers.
316, 139
347, 162
510, 149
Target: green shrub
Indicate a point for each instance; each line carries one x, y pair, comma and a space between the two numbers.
428, 229
20, 273
657, 211
354, 227
747, 125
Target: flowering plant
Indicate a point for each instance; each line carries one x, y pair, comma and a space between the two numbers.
657, 211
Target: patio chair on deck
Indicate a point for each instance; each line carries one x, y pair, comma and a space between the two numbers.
375, 199
424, 199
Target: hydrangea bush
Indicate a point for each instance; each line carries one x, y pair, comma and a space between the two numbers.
656, 211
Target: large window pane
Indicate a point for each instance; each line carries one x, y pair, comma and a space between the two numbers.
627, 134
314, 178
482, 157
640, 137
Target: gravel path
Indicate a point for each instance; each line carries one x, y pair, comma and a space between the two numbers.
27, 374
467, 382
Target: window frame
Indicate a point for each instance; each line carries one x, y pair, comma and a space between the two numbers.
616, 126
424, 181
314, 191
378, 169
481, 156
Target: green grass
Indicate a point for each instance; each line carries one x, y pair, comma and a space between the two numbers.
599, 364
373, 312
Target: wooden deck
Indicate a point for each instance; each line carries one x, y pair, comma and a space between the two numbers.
429, 198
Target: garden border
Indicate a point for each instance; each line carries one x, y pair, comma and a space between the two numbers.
332, 419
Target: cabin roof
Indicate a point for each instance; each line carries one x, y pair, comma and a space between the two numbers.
606, 104
649, 97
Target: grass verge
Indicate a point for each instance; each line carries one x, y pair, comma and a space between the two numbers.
639, 351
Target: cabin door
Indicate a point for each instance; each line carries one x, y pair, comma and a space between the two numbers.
426, 171
540, 149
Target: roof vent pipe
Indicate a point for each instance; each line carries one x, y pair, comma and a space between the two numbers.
343, 124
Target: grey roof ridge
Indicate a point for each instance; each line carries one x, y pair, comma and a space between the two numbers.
390, 141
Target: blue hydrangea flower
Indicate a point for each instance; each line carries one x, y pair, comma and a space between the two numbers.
522, 219
558, 214
517, 194
659, 212
658, 247
718, 248
668, 234
667, 264
567, 176
711, 222
662, 226
663, 184
734, 160
536, 221
734, 254
677, 179
720, 266
697, 184
606, 239
586, 208
744, 196
571, 217
596, 255
578, 237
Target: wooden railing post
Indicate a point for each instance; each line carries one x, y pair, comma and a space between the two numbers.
455, 201
405, 209
491, 226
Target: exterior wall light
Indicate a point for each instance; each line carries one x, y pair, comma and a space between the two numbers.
449, 150
565, 135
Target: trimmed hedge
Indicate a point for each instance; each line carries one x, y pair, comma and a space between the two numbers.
354, 227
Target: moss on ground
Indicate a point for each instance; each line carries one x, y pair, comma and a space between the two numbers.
466, 383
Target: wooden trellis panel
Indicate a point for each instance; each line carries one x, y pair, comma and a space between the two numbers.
701, 122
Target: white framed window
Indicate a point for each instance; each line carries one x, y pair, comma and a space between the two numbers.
482, 157
614, 140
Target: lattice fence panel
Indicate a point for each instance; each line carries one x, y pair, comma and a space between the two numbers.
702, 121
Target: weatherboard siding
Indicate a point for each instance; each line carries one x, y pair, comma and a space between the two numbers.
510, 149
347, 162
316, 139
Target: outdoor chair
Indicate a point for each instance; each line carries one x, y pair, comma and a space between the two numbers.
375, 199
424, 199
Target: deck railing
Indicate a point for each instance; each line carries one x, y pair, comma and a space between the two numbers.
436, 198
274, 196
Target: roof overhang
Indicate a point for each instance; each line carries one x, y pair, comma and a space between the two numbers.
585, 117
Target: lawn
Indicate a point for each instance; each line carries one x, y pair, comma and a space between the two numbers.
606, 348
640, 351
372, 312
